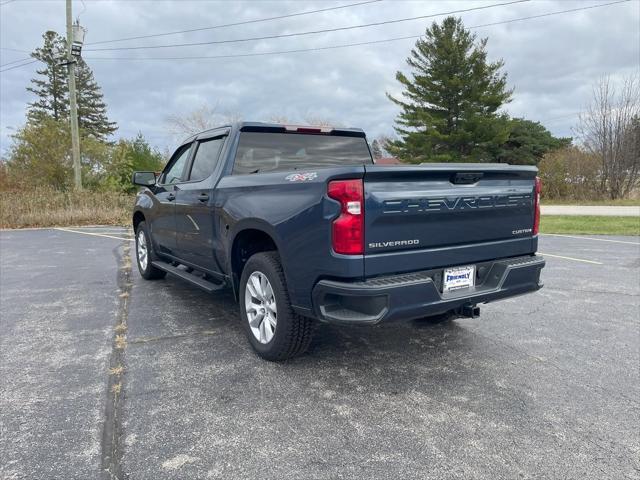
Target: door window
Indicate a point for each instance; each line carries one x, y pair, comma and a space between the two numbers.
206, 158
174, 173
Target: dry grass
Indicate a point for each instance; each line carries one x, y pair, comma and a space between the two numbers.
121, 328
121, 342
119, 370
51, 208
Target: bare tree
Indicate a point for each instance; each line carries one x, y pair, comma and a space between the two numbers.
198, 120
231, 117
376, 149
320, 121
308, 119
383, 141
283, 119
610, 128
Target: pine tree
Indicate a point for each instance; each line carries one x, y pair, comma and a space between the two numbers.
52, 91
376, 151
92, 111
450, 110
528, 143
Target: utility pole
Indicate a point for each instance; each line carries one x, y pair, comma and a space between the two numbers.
73, 107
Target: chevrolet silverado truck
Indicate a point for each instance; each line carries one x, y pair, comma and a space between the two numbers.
303, 227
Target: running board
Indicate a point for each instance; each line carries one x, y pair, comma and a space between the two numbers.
205, 285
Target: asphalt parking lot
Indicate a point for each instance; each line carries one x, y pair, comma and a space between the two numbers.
105, 375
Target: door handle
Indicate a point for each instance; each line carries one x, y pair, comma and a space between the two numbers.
203, 197
466, 178
171, 197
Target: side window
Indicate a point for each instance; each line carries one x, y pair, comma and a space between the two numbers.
206, 158
174, 174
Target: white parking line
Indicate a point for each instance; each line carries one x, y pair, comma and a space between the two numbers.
93, 234
101, 230
589, 238
541, 253
571, 258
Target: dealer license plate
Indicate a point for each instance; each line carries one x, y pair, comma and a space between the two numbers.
458, 277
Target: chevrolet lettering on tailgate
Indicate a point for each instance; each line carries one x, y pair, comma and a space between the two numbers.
445, 204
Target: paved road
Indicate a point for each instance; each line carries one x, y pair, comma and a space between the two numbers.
542, 386
602, 210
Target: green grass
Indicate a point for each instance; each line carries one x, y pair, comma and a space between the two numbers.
591, 225
622, 202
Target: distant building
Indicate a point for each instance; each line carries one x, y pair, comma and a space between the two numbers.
387, 161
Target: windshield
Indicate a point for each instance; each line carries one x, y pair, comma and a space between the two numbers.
269, 152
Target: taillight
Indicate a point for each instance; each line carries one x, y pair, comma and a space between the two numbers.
348, 228
536, 206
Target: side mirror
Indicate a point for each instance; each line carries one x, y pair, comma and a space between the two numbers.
144, 179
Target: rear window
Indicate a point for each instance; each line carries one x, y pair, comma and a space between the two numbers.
272, 152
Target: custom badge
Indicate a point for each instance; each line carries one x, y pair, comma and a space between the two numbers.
301, 177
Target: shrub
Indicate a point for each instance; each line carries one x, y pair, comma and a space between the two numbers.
570, 173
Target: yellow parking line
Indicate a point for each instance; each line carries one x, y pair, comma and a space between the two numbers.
93, 234
571, 258
588, 238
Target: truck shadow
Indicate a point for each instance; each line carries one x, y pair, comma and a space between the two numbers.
395, 358
391, 358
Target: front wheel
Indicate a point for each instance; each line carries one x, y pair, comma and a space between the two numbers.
274, 330
144, 254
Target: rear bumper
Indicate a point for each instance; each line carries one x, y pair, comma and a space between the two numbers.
419, 294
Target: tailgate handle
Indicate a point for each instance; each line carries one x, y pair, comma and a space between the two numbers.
466, 178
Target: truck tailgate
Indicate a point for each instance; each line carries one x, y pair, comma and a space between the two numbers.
428, 216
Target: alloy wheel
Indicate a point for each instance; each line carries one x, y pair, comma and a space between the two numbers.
260, 306
142, 250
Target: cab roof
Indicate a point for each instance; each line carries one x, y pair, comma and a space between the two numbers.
281, 128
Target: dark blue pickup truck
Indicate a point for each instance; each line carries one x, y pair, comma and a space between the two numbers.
304, 227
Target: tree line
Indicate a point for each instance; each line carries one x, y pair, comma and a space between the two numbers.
451, 109
40, 153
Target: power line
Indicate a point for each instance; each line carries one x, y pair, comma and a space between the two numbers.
288, 35
18, 66
246, 22
14, 50
15, 61
258, 54
345, 45
331, 47
552, 13
6, 1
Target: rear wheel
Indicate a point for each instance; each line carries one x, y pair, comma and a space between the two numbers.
274, 330
144, 254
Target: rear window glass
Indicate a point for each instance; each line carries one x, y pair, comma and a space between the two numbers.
270, 152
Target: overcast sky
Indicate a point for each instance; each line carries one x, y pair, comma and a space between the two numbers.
551, 62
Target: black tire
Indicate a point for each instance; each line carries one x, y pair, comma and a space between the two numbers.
149, 272
293, 332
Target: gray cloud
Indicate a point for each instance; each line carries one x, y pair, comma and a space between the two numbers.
552, 62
